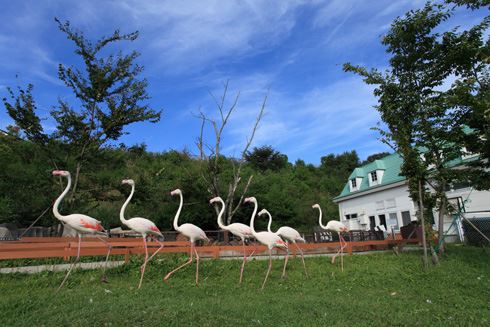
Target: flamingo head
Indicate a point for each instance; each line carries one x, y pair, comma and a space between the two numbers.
316, 206
263, 212
281, 244
176, 192
63, 173
128, 181
213, 200
250, 199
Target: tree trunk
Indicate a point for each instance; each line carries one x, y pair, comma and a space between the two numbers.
421, 210
442, 212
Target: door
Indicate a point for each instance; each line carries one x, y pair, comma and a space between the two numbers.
406, 218
382, 221
372, 222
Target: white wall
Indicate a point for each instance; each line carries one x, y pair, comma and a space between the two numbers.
367, 205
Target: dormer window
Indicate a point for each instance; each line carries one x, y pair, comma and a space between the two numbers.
355, 183
375, 177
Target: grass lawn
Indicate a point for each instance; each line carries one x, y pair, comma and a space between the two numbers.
378, 289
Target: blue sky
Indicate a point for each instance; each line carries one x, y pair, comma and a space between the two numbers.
294, 49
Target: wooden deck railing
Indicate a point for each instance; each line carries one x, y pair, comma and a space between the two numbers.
66, 247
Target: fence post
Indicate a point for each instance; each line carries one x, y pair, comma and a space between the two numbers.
349, 248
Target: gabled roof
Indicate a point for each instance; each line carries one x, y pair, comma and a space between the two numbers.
391, 164
358, 172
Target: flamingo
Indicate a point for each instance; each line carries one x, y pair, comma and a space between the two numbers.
268, 239
290, 235
142, 226
193, 232
241, 230
82, 224
338, 227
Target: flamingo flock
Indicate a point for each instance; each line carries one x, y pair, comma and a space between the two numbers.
85, 225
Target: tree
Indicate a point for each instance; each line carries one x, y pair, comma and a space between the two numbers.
421, 125
110, 93
342, 164
213, 161
265, 157
374, 157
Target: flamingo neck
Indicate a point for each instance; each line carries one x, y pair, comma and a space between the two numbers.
270, 222
220, 216
123, 208
176, 219
253, 219
56, 213
320, 219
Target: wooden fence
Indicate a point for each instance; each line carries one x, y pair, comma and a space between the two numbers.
66, 247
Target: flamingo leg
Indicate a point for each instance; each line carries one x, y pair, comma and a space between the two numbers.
181, 266
251, 254
244, 260
268, 270
109, 249
302, 258
158, 250
143, 266
197, 265
285, 262
340, 249
73, 264
342, 252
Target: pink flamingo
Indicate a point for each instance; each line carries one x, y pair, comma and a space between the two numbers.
268, 239
290, 235
241, 230
339, 228
193, 232
82, 224
142, 226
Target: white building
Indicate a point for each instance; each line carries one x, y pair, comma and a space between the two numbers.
376, 194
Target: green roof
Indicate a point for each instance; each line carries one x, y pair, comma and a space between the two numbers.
391, 165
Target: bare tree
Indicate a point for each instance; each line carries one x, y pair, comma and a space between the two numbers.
211, 156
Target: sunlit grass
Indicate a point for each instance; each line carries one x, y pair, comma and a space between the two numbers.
378, 289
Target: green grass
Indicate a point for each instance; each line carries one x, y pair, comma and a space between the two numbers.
378, 290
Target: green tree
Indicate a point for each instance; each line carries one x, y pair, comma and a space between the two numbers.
374, 157
422, 127
110, 93
265, 157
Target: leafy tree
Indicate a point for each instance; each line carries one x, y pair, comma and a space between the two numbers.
375, 157
343, 163
265, 157
422, 127
110, 93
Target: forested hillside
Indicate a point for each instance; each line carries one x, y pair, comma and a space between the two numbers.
286, 190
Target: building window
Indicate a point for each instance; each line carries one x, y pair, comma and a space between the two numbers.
353, 183
374, 177
394, 221
351, 216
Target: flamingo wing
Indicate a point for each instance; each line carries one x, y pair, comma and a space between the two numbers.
83, 223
